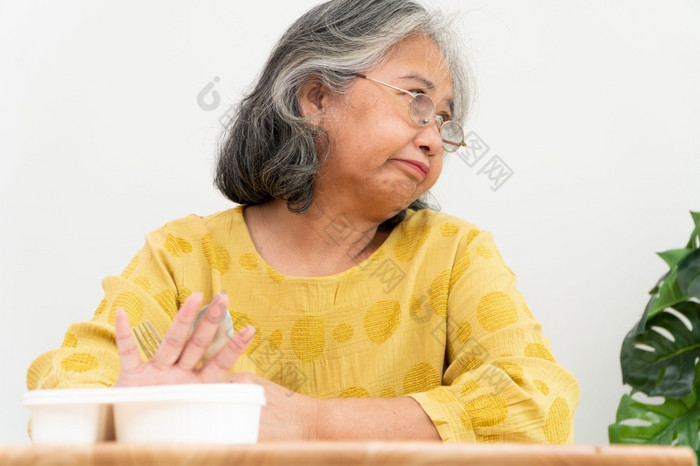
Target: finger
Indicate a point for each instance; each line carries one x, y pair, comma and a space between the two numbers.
176, 339
129, 355
204, 333
222, 362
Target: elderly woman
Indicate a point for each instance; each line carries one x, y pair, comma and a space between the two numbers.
363, 313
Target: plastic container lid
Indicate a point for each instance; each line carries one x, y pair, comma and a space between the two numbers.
68, 396
188, 393
198, 393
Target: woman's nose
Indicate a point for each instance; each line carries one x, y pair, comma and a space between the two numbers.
428, 138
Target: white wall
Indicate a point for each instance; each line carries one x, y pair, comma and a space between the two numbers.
594, 105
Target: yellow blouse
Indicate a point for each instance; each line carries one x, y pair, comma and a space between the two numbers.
433, 313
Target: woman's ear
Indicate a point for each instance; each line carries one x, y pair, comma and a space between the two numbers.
313, 99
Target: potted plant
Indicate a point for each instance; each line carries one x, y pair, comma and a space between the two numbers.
660, 358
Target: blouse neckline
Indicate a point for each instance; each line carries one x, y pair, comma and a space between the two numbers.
366, 264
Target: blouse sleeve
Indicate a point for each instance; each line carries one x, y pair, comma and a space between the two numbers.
501, 382
146, 290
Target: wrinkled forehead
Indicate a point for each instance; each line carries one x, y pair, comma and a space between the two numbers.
423, 53
418, 60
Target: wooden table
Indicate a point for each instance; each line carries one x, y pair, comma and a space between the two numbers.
346, 453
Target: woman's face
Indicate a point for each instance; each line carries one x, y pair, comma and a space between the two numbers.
380, 160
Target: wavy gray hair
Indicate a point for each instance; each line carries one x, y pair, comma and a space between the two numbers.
270, 150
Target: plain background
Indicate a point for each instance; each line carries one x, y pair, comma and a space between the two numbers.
594, 105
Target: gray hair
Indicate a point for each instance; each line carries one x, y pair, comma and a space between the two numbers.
271, 151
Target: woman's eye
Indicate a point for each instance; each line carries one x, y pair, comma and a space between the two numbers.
445, 116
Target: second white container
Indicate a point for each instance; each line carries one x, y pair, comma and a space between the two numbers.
195, 413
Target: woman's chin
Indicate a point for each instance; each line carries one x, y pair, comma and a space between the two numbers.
395, 209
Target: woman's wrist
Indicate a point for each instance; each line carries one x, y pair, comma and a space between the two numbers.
312, 429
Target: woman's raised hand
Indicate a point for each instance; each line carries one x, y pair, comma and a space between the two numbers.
177, 358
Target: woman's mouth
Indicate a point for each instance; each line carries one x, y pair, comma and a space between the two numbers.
416, 166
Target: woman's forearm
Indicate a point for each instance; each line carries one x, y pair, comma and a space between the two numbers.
373, 418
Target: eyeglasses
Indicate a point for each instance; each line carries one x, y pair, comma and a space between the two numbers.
422, 111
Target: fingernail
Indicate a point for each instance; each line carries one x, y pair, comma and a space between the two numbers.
216, 313
247, 333
248, 329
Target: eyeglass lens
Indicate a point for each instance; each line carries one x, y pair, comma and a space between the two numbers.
422, 111
452, 135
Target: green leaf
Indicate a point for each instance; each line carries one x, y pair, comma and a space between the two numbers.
660, 282
656, 365
669, 294
696, 217
673, 256
675, 421
694, 241
689, 274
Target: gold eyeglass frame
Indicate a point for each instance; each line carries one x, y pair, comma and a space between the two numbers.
439, 120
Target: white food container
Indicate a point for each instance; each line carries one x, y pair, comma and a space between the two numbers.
196, 413
70, 416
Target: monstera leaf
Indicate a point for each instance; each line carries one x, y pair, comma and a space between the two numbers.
689, 274
673, 422
672, 289
680, 284
661, 359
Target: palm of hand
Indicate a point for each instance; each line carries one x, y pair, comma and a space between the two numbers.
177, 360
